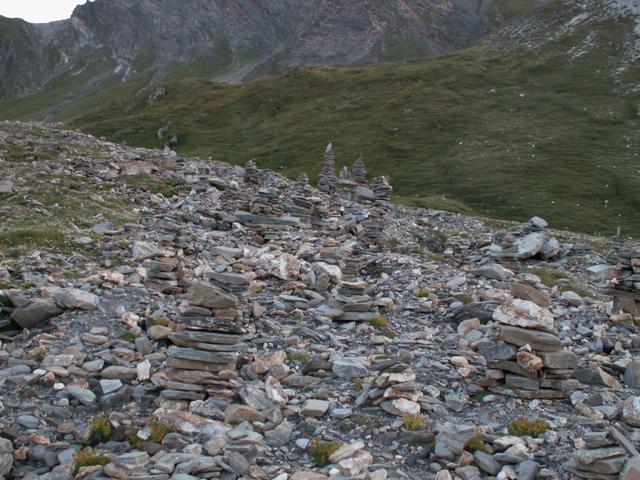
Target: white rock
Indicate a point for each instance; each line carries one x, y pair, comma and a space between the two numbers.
525, 314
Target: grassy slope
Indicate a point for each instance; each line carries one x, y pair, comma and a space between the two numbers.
508, 136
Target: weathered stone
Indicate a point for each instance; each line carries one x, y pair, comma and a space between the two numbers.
525, 314
451, 440
35, 312
530, 293
315, 408
486, 462
596, 376
349, 368
210, 296
542, 341
75, 298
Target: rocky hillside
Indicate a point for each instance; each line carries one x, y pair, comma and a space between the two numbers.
541, 118
232, 40
164, 316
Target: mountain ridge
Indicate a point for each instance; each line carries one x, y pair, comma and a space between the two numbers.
236, 39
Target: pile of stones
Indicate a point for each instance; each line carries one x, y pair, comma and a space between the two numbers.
327, 176
527, 360
251, 175
624, 283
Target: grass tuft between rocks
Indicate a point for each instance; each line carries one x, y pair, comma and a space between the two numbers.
528, 427
88, 458
321, 450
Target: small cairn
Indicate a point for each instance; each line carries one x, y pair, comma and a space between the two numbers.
251, 175
382, 193
395, 389
327, 177
601, 457
359, 172
162, 274
624, 279
302, 203
527, 361
202, 360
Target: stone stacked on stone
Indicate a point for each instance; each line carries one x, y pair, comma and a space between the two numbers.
352, 303
527, 360
251, 175
395, 389
202, 361
267, 201
601, 457
163, 274
374, 226
529, 241
623, 283
266, 216
327, 176
382, 193
359, 172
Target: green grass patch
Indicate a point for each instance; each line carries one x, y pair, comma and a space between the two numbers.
413, 422
321, 450
129, 336
88, 458
298, 357
528, 427
101, 431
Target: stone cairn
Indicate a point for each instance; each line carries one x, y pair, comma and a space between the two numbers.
527, 362
374, 226
601, 457
395, 389
251, 175
202, 360
624, 279
359, 172
327, 176
302, 203
266, 216
163, 266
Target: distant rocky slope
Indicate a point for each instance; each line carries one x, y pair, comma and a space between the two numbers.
233, 39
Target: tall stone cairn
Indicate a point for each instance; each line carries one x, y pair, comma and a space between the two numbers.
327, 177
382, 192
359, 172
251, 175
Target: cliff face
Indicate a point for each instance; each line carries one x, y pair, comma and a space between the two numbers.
238, 39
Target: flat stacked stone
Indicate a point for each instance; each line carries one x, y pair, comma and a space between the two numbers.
202, 361
527, 361
624, 280
374, 226
251, 175
601, 458
353, 303
327, 176
163, 274
237, 283
359, 172
395, 389
266, 216
351, 267
302, 201
382, 193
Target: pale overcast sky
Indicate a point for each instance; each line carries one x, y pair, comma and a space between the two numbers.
38, 11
